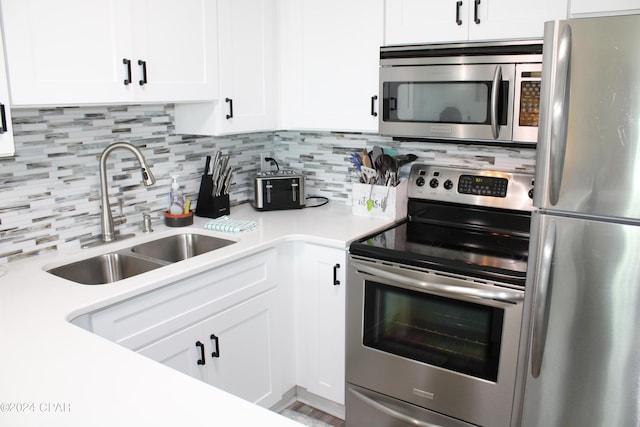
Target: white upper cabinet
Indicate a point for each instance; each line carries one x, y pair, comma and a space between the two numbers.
420, 21
329, 64
7, 147
71, 52
581, 8
247, 46
247, 63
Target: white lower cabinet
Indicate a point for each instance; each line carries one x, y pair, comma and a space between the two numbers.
233, 350
320, 320
255, 327
234, 309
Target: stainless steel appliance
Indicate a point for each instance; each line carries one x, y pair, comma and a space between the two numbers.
281, 189
581, 367
434, 304
474, 92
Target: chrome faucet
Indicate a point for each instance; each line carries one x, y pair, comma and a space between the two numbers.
108, 232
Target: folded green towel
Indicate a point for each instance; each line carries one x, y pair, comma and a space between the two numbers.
226, 224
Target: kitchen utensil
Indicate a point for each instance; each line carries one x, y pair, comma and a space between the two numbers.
366, 160
405, 159
369, 176
384, 163
375, 153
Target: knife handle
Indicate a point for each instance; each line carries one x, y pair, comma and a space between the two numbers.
206, 165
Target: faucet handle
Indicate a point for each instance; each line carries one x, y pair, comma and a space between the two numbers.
120, 218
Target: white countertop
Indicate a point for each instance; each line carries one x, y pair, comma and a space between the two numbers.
54, 373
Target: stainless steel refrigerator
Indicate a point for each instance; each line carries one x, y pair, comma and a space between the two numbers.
580, 348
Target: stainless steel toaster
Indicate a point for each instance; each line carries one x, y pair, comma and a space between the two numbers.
276, 190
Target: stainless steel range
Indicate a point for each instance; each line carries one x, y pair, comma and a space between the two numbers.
434, 304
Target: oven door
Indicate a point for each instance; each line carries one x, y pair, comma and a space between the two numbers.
471, 101
441, 342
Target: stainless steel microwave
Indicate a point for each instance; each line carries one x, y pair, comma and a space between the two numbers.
472, 92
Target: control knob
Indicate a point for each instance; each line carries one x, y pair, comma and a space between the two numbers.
448, 185
420, 181
434, 183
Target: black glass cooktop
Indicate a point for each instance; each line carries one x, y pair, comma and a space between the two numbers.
479, 242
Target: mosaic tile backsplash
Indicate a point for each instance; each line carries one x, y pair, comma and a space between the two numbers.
50, 191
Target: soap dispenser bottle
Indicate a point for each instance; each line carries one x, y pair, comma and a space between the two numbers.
176, 198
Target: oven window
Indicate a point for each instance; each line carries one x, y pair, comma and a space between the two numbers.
456, 335
441, 102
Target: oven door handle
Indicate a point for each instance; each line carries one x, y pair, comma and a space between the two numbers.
451, 290
391, 412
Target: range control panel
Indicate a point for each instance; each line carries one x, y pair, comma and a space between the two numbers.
503, 190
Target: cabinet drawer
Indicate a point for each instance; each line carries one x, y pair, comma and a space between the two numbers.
141, 320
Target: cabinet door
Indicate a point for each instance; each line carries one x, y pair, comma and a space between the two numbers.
329, 70
512, 19
581, 8
247, 47
186, 351
320, 302
67, 51
246, 364
419, 21
7, 147
177, 42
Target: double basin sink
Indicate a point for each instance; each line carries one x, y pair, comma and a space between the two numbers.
138, 259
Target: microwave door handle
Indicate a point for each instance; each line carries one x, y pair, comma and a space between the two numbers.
542, 300
451, 290
391, 412
495, 93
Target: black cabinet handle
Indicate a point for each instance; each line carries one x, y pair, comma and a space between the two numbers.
3, 119
216, 341
336, 282
201, 361
230, 101
374, 98
127, 62
458, 6
475, 12
143, 64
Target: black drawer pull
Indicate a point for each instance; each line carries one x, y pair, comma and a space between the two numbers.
143, 64
230, 102
201, 361
374, 98
216, 341
458, 6
475, 12
127, 62
336, 282
3, 119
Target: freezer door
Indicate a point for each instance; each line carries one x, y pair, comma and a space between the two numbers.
589, 136
583, 367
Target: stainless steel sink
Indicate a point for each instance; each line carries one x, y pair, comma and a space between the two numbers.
107, 268
180, 247
128, 262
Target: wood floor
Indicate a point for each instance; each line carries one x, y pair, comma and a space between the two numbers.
316, 414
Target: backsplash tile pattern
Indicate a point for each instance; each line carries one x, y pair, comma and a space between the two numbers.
49, 192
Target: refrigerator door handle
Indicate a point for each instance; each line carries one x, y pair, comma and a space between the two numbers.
495, 93
560, 113
541, 309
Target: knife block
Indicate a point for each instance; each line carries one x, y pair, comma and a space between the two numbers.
210, 206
